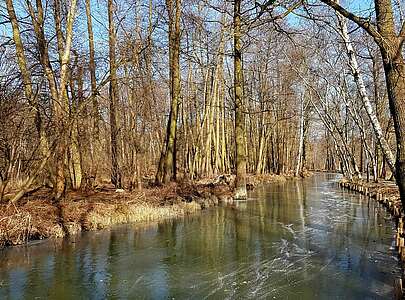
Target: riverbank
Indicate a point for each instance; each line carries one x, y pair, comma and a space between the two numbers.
387, 194
37, 217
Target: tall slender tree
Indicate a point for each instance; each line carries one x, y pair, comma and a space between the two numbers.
113, 91
240, 146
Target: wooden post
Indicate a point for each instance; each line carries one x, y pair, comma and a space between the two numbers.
398, 293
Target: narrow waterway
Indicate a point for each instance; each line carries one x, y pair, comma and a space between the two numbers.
304, 239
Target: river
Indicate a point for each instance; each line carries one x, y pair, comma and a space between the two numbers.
303, 239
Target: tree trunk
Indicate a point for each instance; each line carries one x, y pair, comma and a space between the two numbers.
240, 184
26, 77
394, 68
59, 100
363, 93
301, 137
390, 44
95, 138
113, 90
167, 164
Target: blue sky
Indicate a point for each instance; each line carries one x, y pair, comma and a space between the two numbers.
359, 6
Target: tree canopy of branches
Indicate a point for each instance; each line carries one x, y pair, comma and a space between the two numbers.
123, 92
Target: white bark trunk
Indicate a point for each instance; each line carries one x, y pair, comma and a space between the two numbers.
363, 93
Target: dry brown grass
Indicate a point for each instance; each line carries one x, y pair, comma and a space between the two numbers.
33, 220
37, 217
102, 215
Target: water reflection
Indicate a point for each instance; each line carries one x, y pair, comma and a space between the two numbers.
298, 240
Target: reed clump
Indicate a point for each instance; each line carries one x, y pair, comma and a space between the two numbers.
254, 180
105, 216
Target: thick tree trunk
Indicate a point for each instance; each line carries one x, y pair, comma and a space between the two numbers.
63, 102
59, 100
394, 68
167, 163
395, 78
240, 184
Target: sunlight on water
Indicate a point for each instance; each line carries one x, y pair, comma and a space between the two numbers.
298, 240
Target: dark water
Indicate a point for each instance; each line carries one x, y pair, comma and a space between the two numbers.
299, 240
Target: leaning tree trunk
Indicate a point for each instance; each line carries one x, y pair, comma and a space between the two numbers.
363, 94
240, 184
26, 78
59, 101
390, 44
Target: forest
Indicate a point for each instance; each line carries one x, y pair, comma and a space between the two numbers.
141, 94
146, 112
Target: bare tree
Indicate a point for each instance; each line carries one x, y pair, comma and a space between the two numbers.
390, 44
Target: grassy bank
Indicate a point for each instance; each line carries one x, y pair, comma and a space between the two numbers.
38, 217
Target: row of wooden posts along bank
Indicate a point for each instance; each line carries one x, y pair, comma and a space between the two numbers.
385, 194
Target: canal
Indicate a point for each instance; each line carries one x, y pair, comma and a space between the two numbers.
303, 239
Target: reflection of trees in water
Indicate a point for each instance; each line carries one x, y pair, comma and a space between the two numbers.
268, 246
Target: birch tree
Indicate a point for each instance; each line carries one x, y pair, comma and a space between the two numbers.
358, 78
390, 43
